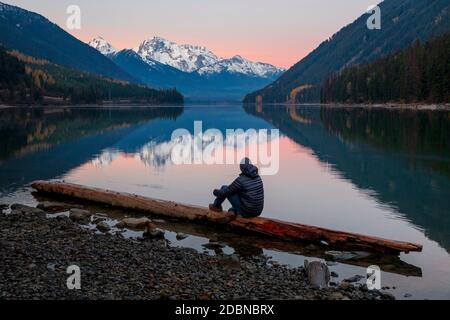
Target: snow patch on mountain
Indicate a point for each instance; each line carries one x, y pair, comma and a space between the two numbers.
187, 58
102, 46
237, 64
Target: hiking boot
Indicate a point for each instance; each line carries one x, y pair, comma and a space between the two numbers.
212, 207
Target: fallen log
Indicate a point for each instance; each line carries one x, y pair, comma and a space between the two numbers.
270, 227
254, 243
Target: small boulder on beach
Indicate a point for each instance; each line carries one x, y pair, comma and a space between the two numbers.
79, 215
103, 226
317, 273
50, 206
134, 223
96, 219
181, 236
23, 209
153, 233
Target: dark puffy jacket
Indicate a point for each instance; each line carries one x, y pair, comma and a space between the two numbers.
250, 188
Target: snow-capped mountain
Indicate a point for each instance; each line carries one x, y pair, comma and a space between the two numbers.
194, 70
102, 45
150, 72
187, 58
237, 64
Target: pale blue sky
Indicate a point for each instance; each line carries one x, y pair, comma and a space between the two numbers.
275, 31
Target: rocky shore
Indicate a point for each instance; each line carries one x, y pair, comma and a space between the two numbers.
37, 248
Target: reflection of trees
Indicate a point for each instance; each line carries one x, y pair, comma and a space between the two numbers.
403, 156
27, 130
423, 136
76, 136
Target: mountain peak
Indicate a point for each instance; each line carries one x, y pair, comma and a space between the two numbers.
240, 65
187, 58
237, 58
102, 45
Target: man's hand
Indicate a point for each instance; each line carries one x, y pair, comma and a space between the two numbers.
216, 192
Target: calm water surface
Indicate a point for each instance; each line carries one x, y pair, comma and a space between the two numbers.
373, 171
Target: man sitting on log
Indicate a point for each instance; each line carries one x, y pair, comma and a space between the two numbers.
246, 193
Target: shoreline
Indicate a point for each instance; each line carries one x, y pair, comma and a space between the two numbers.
118, 105
391, 106
37, 248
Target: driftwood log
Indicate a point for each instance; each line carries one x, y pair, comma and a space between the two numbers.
270, 227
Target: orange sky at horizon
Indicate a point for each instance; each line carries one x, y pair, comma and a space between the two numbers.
279, 32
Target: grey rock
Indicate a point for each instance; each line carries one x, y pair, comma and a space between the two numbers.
79, 215
181, 236
49, 206
154, 234
103, 226
97, 219
23, 209
99, 214
120, 225
318, 274
135, 224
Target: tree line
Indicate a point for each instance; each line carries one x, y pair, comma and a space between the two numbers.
27, 80
417, 74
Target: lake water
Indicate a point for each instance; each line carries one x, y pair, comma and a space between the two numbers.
373, 171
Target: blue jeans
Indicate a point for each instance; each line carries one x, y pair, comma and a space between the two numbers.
234, 199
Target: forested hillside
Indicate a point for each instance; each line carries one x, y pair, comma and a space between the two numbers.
420, 73
26, 80
36, 36
402, 23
